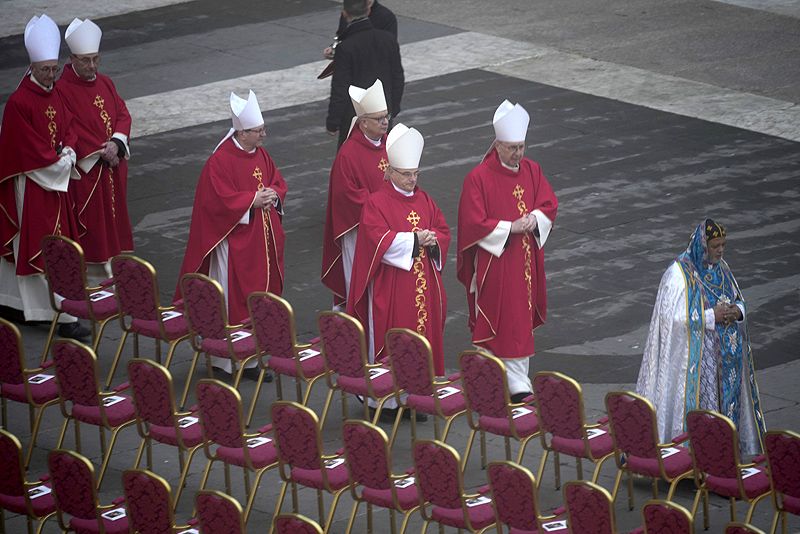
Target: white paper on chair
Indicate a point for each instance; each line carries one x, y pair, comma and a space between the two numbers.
592, 433
307, 353
446, 391
115, 514
100, 295
187, 421
170, 314
38, 491
404, 482
112, 400
749, 471
258, 441
520, 411
240, 335
333, 463
669, 451
477, 501
38, 379
375, 372
554, 526
189, 531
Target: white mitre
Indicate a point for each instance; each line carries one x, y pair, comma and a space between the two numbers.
42, 39
83, 37
365, 101
404, 147
510, 122
245, 114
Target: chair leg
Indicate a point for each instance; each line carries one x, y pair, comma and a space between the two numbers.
483, 450
139, 453
469, 449
280, 386
37, 422
655, 488
705, 509
278, 505
63, 433
733, 508
774, 526
309, 387
393, 520
353, 513
135, 345
508, 448
298, 390
108, 455
256, 394
542, 463
557, 466
398, 416
251, 499
115, 362
99, 333
321, 509
332, 511
50, 335
227, 471
630, 491
206, 472
77, 427
158, 349
752, 507
294, 497
435, 424
325, 409
171, 351
579, 468
184, 473
406, 518
614, 491
369, 519
599, 466
674, 484
189, 379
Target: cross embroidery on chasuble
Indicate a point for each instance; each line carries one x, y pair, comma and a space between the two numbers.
526, 243
421, 283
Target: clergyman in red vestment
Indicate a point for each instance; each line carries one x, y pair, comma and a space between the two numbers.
401, 249
505, 214
357, 171
37, 161
236, 236
103, 125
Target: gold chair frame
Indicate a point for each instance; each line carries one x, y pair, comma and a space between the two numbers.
30, 515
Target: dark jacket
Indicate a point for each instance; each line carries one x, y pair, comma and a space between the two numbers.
381, 18
364, 55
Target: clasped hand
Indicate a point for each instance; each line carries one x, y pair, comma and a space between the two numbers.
426, 238
109, 153
526, 223
726, 313
265, 198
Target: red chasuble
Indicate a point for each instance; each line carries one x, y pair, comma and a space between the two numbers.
511, 294
412, 299
225, 192
36, 125
357, 171
100, 196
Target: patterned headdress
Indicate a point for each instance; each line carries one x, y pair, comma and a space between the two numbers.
714, 230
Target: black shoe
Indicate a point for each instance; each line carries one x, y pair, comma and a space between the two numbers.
516, 398
420, 417
74, 331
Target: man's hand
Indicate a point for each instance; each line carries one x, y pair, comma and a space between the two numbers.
328, 52
522, 225
426, 238
109, 153
726, 313
265, 198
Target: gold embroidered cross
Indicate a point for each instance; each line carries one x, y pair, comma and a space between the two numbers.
99, 102
50, 112
413, 218
383, 164
257, 174
518, 191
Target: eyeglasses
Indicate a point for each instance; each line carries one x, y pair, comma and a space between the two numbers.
86, 60
259, 131
512, 148
406, 174
51, 70
378, 119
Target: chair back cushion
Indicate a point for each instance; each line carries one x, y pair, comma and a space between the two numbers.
589, 508
484, 381
10, 361
295, 524
559, 406
218, 513
148, 502
714, 443
12, 478
64, 267
514, 494
437, 470
75, 371
296, 435
742, 528
73, 483
666, 518
152, 393
411, 361
632, 422
343, 344
783, 452
367, 456
205, 306
220, 413
272, 323
135, 287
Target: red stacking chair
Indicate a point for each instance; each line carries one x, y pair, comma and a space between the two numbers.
272, 319
742, 528
218, 513
559, 402
441, 489
783, 456
225, 440
369, 463
637, 451
590, 508
295, 524
344, 348
207, 316
34, 500
34, 387
141, 313
489, 407
717, 466
301, 459
148, 501
665, 517
77, 506
516, 501
78, 387
157, 418
65, 270
411, 361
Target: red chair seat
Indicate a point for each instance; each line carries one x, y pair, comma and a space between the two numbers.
382, 386
480, 516
452, 404
81, 526
407, 497
261, 456
103, 309
338, 477
791, 504
16, 503
754, 485
219, 347
674, 465
174, 328
520, 531
117, 414
599, 446
525, 424
312, 367
192, 435
41, 393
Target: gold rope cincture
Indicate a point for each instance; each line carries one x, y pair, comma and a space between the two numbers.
421, 282
526, 243
52, 127
258, 175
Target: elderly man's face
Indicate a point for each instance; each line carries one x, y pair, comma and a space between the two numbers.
404, 179
85, 65
45, 71
510, 153
374, 125
252, 137
716, 248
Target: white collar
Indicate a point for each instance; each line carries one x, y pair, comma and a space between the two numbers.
240, 147
34, 80
79, 76
509, 167
373, 141
402, 192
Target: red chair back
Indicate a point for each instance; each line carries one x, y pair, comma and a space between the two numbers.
742, 528
589, 508
343, 343
12, 478
76, 372
72, 478
64, 267
218, 513
295, 524
632, 421
205, 306
485, 386
411, 360
11, 360
559, 405
272, 323
136, 287
296, 435
713, 443
220, 413
667, 517
148, 502
367, 451
438, 473
783, 456
514, 494
152, 392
